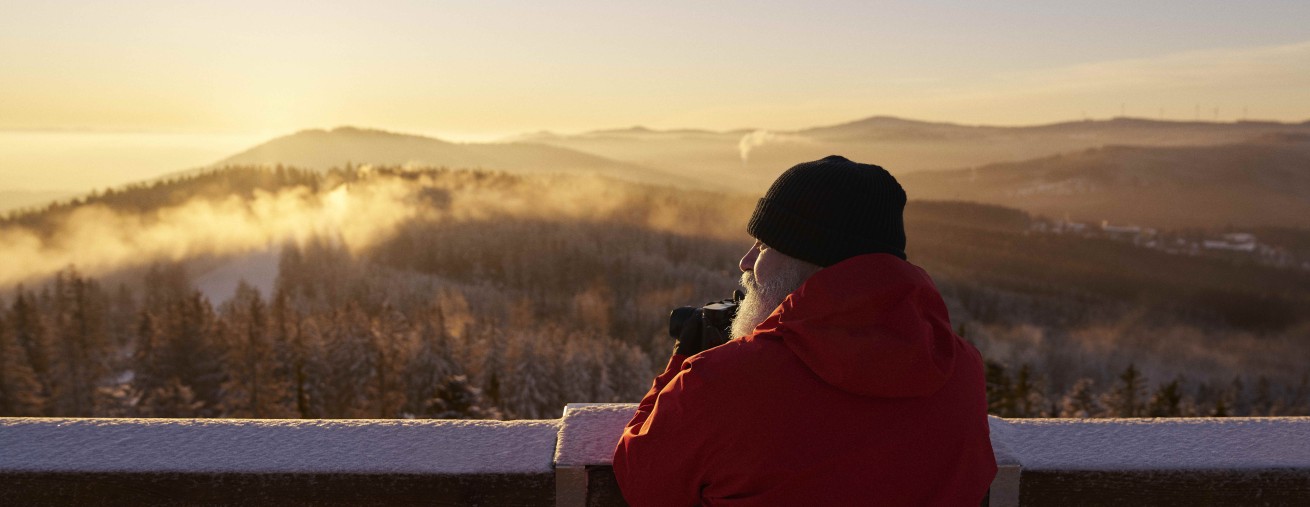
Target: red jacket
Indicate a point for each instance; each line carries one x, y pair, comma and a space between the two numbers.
854, 392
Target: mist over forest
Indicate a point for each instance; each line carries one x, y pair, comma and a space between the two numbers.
370, 291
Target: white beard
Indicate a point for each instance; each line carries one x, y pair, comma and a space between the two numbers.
762, 298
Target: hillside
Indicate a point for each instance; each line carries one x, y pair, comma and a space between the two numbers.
1263, 182
324, 149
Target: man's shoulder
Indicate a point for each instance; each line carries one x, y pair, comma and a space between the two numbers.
742, 358
747, 346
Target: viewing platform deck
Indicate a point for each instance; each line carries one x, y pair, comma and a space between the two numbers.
566, 461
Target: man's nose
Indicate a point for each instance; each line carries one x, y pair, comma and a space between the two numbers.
748, 261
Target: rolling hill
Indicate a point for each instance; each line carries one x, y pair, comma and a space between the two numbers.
1263, 182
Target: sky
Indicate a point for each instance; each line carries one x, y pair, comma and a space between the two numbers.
220, 74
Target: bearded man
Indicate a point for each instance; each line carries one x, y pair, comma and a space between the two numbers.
844, 384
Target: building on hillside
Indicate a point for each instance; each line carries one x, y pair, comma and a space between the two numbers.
1233, 242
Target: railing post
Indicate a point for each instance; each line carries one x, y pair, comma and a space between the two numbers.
588, 433
1005, 487
570, 486
1009, 471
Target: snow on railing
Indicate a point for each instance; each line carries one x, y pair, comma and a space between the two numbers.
1263, 461
431, 447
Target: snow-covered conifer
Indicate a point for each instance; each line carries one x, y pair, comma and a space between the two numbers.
1081, 400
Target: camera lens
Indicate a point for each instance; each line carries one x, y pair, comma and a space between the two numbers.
677, 318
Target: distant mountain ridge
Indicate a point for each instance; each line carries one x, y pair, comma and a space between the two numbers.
1119, 127
323, 149
1158, 173
750, 159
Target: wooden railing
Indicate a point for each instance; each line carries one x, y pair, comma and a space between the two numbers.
566, 461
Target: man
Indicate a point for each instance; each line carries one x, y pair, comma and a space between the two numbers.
845, 384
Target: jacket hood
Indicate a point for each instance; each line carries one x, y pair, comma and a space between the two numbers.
872, 325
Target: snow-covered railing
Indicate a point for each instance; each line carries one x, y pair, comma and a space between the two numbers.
1238, 461
276, 462
1171, 461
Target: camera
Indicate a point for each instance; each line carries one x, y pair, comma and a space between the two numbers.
714, 319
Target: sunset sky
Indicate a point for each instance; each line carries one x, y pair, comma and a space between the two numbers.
478, 70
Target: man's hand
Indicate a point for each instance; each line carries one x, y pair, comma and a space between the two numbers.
696, 336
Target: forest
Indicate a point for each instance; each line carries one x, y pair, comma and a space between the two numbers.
480, 294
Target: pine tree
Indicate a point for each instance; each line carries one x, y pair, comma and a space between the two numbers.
352, 361
1205, 400
1028, 395
165, 285
1127, 398
1000, 394
122, 316
27, 326
1238, 403
251, 388
1221, 408
195, 353
81, 344
172, 399
177, 354
291, 368
430, 365
489, 347
630, 370
394, 343
581, 374
20, 391
529, 386
313, 380
1262, 404
1167, 400
115, 396
148, 371
1298, 398
1081, 400
456, 398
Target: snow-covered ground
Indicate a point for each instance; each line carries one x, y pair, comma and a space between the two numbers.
258, 269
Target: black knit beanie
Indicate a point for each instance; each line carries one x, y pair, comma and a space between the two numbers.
829, 210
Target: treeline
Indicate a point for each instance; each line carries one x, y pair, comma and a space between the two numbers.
74, 350
146, 198
320, 350
1025, 392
